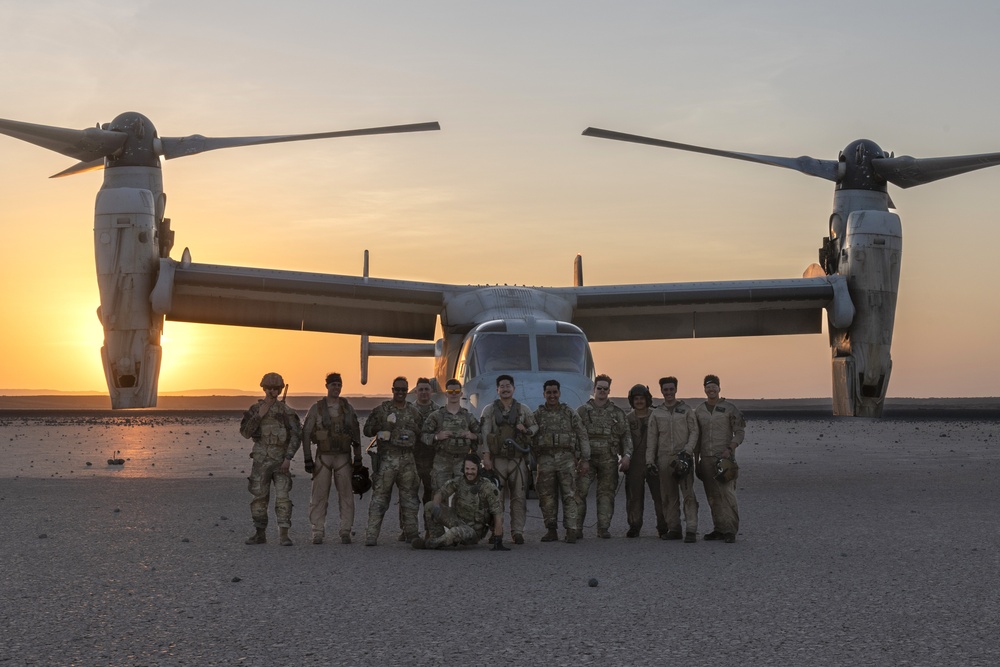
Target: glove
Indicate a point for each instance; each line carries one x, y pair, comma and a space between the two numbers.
651, 467
498, 544
310, 466
357, 461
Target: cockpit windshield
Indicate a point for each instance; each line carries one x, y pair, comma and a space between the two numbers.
565, 353
497, 352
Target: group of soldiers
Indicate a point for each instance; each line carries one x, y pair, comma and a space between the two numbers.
470, 469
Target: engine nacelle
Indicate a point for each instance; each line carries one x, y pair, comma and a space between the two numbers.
870, 260
127, 252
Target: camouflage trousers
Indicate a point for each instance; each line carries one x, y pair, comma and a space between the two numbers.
264, 473
423, 457
557, 474
335, 468
603, 468
446, 468
721, 497
674, 492
395, 467
448, 528
513, 474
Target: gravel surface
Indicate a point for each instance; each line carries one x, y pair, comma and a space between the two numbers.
862, 542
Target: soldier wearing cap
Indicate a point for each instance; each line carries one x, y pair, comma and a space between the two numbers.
673, 433
638, 475
452, 432
474, 510
332, 425
397, 425
722, 429
562, 450
506, 431
276, 433
610, 438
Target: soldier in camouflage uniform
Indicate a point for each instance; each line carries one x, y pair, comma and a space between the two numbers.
562, 450
504, 420
276, 435
609, 436
423, 456
452, 432
475, 509
332, 424
722, 430
397, 425
638, 475
673, 429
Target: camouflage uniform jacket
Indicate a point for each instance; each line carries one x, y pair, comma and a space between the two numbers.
671, 430
331, 434
421, 449
561, 429
497, 425
402, 425
460, 422
474, 503
719, 428
606, 427
276, 435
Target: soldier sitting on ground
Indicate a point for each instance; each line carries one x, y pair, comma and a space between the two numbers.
475, 509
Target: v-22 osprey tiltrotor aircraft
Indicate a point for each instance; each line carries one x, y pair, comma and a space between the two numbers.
533, 333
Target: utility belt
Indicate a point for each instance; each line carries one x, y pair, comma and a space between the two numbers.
394, 450
332, 443
499, 446
550, 443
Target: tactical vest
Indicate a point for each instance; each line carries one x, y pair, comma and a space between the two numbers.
456, 423
274, 429
404, 432
604, 426
555, 430
331, 435
504, 429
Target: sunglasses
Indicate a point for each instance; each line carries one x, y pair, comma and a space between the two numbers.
453, 391
274, 388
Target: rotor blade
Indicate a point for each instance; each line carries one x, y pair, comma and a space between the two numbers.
196, 143
807, 165
84, 145
81, 167
906, 171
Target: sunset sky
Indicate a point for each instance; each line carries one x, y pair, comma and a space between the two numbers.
509, 191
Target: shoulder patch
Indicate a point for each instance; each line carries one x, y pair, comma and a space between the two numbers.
720, 409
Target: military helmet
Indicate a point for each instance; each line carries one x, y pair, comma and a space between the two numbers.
726, 470
682, 465
272, 380
640, 390
361, 481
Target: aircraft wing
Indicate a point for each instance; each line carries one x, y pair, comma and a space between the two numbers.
709, 309
212, 294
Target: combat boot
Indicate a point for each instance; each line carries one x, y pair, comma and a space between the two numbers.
518, 538
550, 536
259, 537
283, 538
603, 534
714, 535
671, 535
570, 537
690, 537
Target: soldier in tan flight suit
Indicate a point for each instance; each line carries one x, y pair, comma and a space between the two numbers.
562, 450
673, 429
610, 437
453, 433
397, 425
332, 425
276, 435
722, 430
639, 476
506, 431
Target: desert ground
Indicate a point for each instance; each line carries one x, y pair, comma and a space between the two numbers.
862, 542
